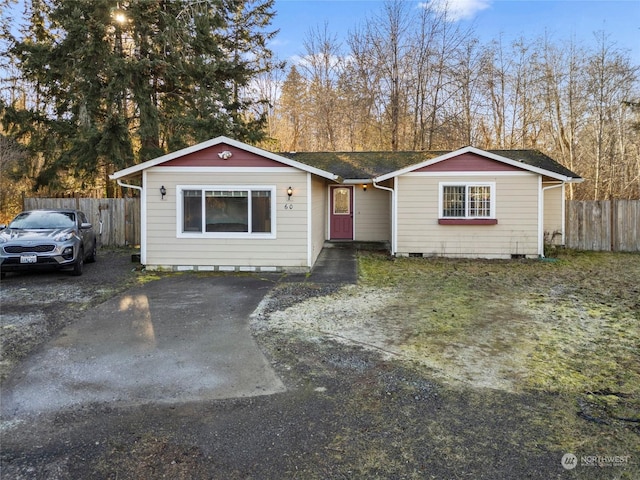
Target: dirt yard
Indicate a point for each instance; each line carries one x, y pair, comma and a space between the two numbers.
428, 368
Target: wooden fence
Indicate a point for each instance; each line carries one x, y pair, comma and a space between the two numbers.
590, 225
115, 220
603, 225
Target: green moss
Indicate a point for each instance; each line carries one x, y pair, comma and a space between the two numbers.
148, 276
589, 347
567, 328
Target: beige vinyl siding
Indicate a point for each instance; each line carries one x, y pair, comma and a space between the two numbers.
165, 249
553, 227
372, 214
318, 216
516, 200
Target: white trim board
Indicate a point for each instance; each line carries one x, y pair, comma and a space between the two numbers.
499, 173
224, 170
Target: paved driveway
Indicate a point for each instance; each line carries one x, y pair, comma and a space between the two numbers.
178, 339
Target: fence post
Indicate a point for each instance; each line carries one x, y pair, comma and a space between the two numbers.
613, 225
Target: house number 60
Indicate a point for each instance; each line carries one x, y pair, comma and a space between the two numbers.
288, 206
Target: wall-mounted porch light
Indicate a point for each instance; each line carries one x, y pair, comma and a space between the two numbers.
289, 192
163, 192
364, 187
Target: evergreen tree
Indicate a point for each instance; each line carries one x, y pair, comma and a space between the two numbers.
293, 104
118, 82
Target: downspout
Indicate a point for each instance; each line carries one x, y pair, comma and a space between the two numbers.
393, 215
563, 213
541, 217
143, 209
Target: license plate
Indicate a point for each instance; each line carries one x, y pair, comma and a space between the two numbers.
28, 259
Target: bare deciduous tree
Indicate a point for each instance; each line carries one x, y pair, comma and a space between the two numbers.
323, 64
411, 79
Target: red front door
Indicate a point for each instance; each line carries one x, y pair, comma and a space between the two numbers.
341, 213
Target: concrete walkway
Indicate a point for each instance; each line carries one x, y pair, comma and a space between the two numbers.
336, 264
178, 339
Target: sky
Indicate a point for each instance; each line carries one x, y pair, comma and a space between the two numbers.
511, 19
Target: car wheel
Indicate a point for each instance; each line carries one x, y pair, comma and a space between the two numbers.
79, 265
94, 253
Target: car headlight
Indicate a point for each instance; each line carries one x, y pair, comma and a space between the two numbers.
63, 237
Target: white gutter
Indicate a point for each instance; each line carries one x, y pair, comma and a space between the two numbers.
356, 181
126, 185
143, 218
394, 222
541, 215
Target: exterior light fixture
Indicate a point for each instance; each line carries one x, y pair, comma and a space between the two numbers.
163, 192
364, 187
289, 192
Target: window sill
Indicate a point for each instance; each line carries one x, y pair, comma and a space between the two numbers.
228, 235
467, 221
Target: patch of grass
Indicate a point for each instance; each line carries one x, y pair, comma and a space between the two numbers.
569, 327
581, 314
592, 342
145, 277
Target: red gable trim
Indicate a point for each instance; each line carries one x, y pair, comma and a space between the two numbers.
248, 152
208, 157
468, 162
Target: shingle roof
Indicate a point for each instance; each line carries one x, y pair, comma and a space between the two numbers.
361, 165
366, 165
536, 158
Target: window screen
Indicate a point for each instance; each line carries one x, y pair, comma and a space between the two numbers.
453, 200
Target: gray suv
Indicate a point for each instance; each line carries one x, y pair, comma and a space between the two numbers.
40, 239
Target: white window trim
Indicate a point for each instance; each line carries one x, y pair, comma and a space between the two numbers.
238, 235
492, 200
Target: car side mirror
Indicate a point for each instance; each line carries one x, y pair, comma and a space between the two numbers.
85, 226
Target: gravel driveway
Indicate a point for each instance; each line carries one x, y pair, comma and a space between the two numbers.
36, 305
